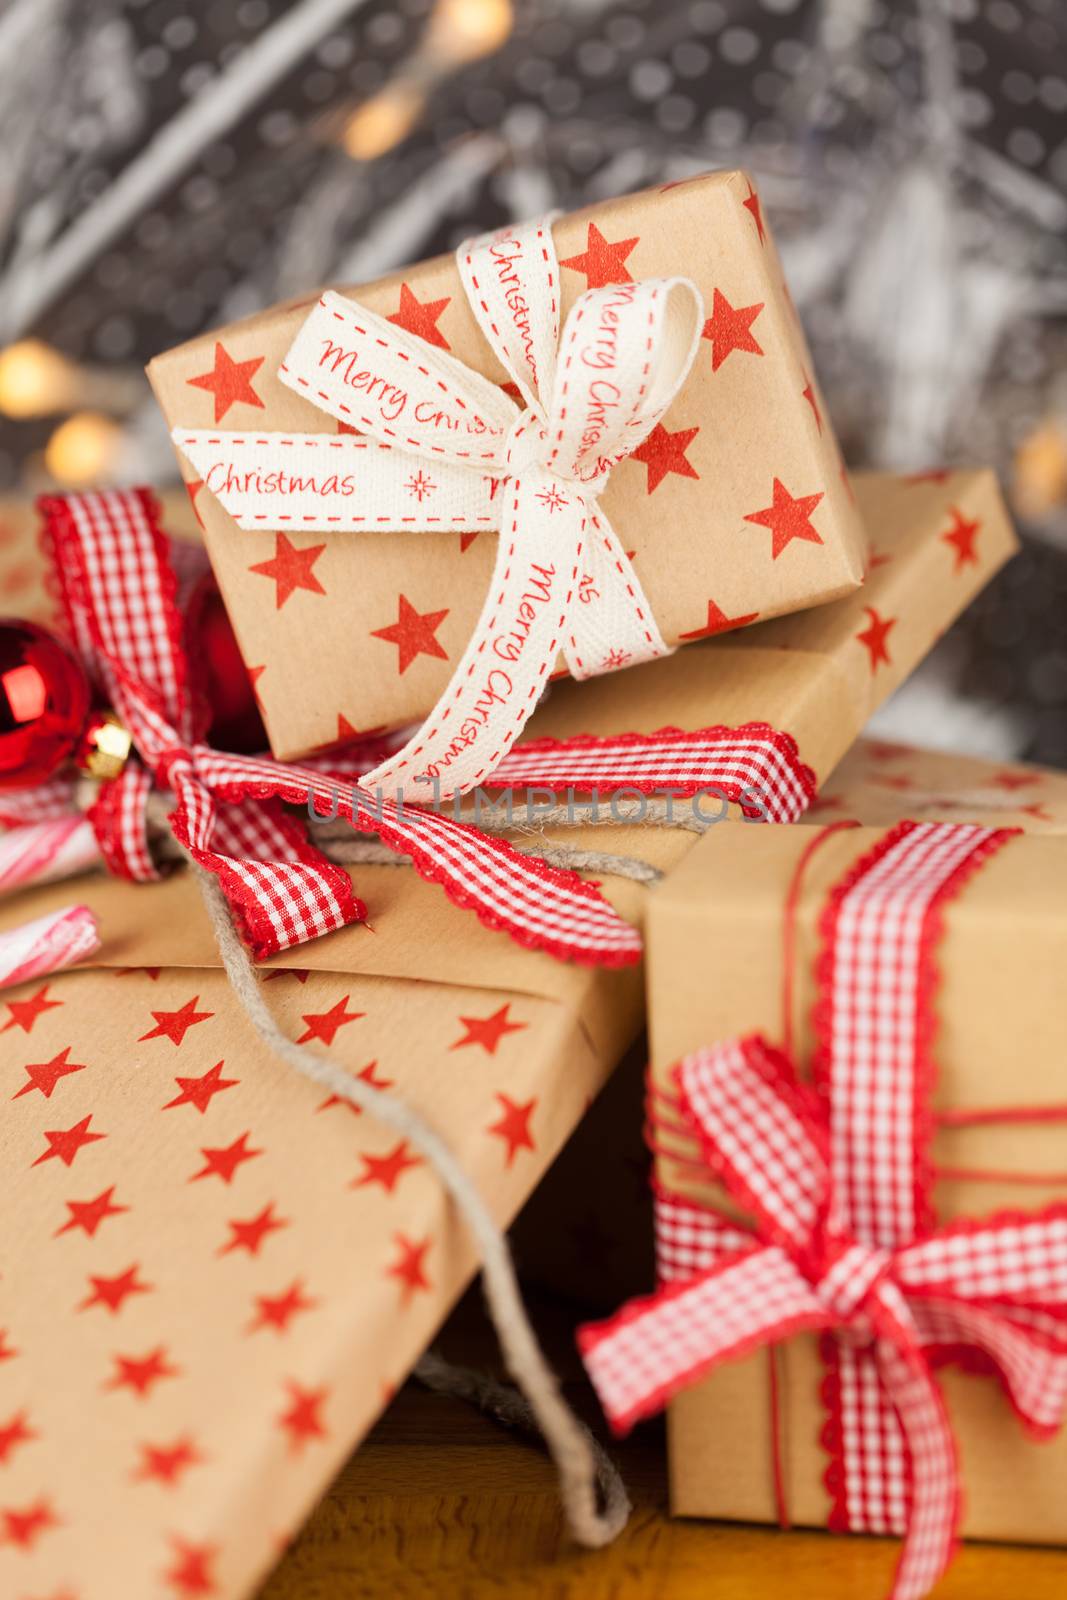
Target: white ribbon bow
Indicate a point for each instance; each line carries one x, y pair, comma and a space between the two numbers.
448, 449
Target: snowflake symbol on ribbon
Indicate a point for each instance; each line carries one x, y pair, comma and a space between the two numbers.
615, 659
534, 470
552, 500
420, 484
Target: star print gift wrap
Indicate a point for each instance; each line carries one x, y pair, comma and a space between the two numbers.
880, 782
214, 1276
896, 991
575, 445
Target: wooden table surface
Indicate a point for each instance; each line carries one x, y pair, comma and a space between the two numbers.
441, 1502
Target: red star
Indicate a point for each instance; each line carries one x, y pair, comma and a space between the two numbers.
165, 1463
303, 1420
826, 802
14, 1432
962, 536
1037, 810
514, 1125
730, 328
409, 1268
602, 260
199, 1092
664, 452
809, 396
278, 1310
878, 750
24, 1013
141, 1373
64, 1143
421, 317
752, 205
190, 1572
413, 633
290, 567
113, 1292
223, 1163
174, 1025
788, 518
488, 1031
44, 1075
251, 1234
901, 783
367, 1074
719, 622
25, 1527
874, 637
388, 1169
299, 973
324, 1025
89, 1214
192, 489
934, 475
7, 1351
466, 540
1015, 780
230, 382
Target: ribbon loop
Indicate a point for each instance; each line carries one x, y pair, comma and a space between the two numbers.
375, 376
625, 353
831, 1177
534, 474
511, 279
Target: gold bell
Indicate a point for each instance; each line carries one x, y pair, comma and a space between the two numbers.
105, 747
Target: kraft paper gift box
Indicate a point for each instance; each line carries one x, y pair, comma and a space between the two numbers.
716, 965
736, 508
587, 1232
883, 782
213, 1277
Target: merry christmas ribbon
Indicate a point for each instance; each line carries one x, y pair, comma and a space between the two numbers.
448, 449
835, 1180
112, 566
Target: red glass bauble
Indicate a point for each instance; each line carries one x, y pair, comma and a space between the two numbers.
219, 674
44, 704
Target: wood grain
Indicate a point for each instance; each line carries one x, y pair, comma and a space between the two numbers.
439, 1502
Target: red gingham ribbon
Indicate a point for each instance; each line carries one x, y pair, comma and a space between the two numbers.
116, 576
834, 1178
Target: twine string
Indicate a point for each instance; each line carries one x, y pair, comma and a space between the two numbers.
582, 1469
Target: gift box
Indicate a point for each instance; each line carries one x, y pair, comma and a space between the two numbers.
733, 508
880, 782
214, 1276
857, 1041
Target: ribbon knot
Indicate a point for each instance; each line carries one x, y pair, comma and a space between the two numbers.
439, 446
847, 1281
122, 583
998, 1286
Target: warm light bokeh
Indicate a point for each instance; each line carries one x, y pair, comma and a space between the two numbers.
35, 380
83, 449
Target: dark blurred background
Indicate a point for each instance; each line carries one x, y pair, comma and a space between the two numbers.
166, 165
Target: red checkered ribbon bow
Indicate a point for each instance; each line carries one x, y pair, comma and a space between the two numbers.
834, 1181
115, 572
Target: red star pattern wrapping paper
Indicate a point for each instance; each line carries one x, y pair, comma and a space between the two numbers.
880, 782
735, 508
997, 1106
213, 1278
